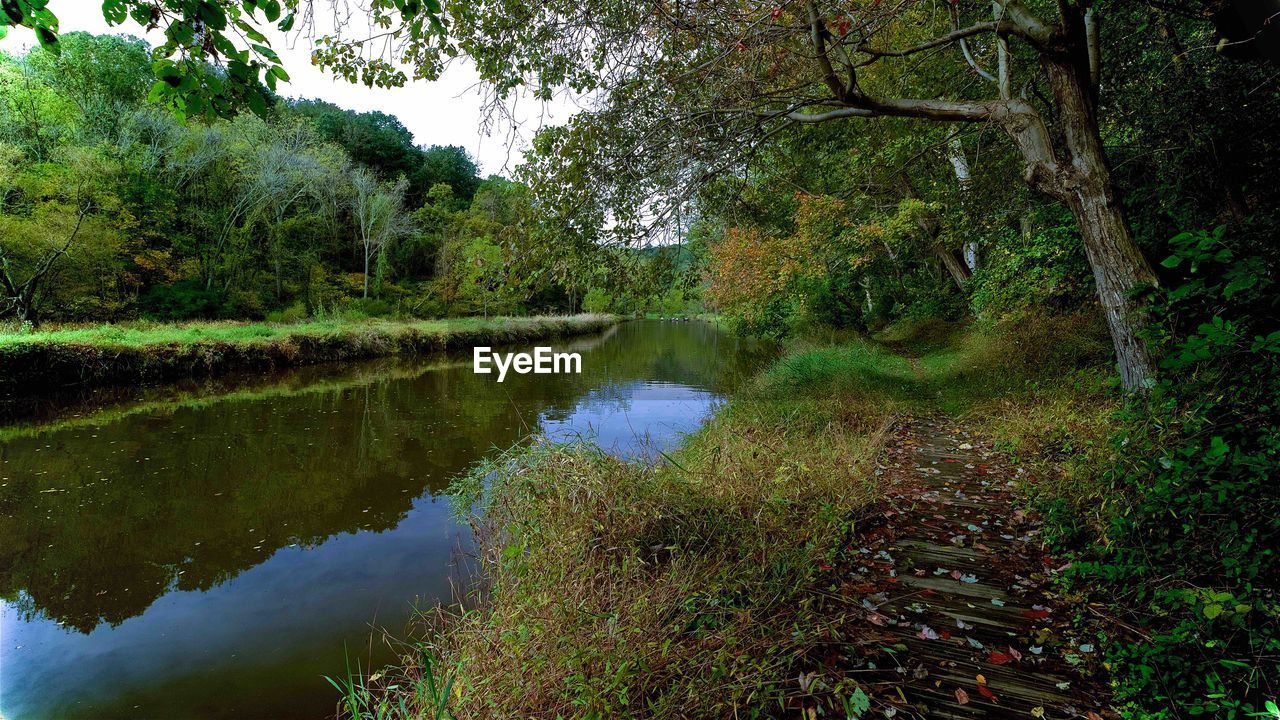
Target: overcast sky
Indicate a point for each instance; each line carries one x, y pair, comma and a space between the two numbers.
446, 112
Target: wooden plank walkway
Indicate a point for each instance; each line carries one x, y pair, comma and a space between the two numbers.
971, 625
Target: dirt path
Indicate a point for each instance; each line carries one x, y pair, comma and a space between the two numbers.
956, 578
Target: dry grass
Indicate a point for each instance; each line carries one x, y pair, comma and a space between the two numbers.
693, 589
686, 589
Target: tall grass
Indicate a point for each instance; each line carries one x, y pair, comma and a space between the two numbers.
424, 695
694, 588
690, 588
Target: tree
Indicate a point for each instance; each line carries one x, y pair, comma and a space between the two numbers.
378, 209
104, 75
32, 115
200, 70
451, 165
691, 91
58, 206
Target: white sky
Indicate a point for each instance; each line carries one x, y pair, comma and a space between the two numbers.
445, 112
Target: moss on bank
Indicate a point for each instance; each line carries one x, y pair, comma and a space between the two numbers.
109, 355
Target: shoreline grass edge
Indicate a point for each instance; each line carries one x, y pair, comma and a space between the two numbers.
58, 361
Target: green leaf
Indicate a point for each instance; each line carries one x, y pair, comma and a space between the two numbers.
114, 11
48, 40
1212, 611
859, 702
157, 91
1241, 283
1217, 448
212, 15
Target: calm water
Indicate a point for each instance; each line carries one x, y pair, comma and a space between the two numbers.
210, 550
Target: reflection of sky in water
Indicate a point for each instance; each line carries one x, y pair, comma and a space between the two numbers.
640, 419
265, 616
335, 465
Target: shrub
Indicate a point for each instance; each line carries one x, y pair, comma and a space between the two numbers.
183, 300
597, 301
296, 312
1194, 560
1045, 269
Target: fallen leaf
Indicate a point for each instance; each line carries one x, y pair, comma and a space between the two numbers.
996, 657
985, 692
962, 697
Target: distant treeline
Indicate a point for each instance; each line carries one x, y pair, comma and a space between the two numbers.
111, 209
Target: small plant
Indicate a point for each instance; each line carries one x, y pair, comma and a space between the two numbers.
1190, 553
425, 696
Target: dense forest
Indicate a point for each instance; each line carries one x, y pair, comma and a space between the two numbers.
1082, 191
112, 209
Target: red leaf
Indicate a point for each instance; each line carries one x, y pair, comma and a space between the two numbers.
999, 658
962, 697
1036, 614
985, 692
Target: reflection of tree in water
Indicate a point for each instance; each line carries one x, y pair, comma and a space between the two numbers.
680, 353
97, 522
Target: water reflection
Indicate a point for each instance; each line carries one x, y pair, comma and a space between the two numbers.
210, 555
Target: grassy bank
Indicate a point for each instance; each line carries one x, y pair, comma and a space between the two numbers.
35, 362
695, 588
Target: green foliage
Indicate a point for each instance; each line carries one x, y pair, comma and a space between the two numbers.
252, 217
1194, 557
215, 60
1044, 269
183, 300
596, 300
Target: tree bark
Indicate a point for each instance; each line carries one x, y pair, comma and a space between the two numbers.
954, 265
1081, 179
1119, 268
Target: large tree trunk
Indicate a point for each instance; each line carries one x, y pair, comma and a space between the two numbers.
1119, 268
1080, 178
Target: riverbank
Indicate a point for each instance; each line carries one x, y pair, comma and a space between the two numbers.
718, 582
77, 358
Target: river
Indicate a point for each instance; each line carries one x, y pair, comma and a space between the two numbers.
214, 549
